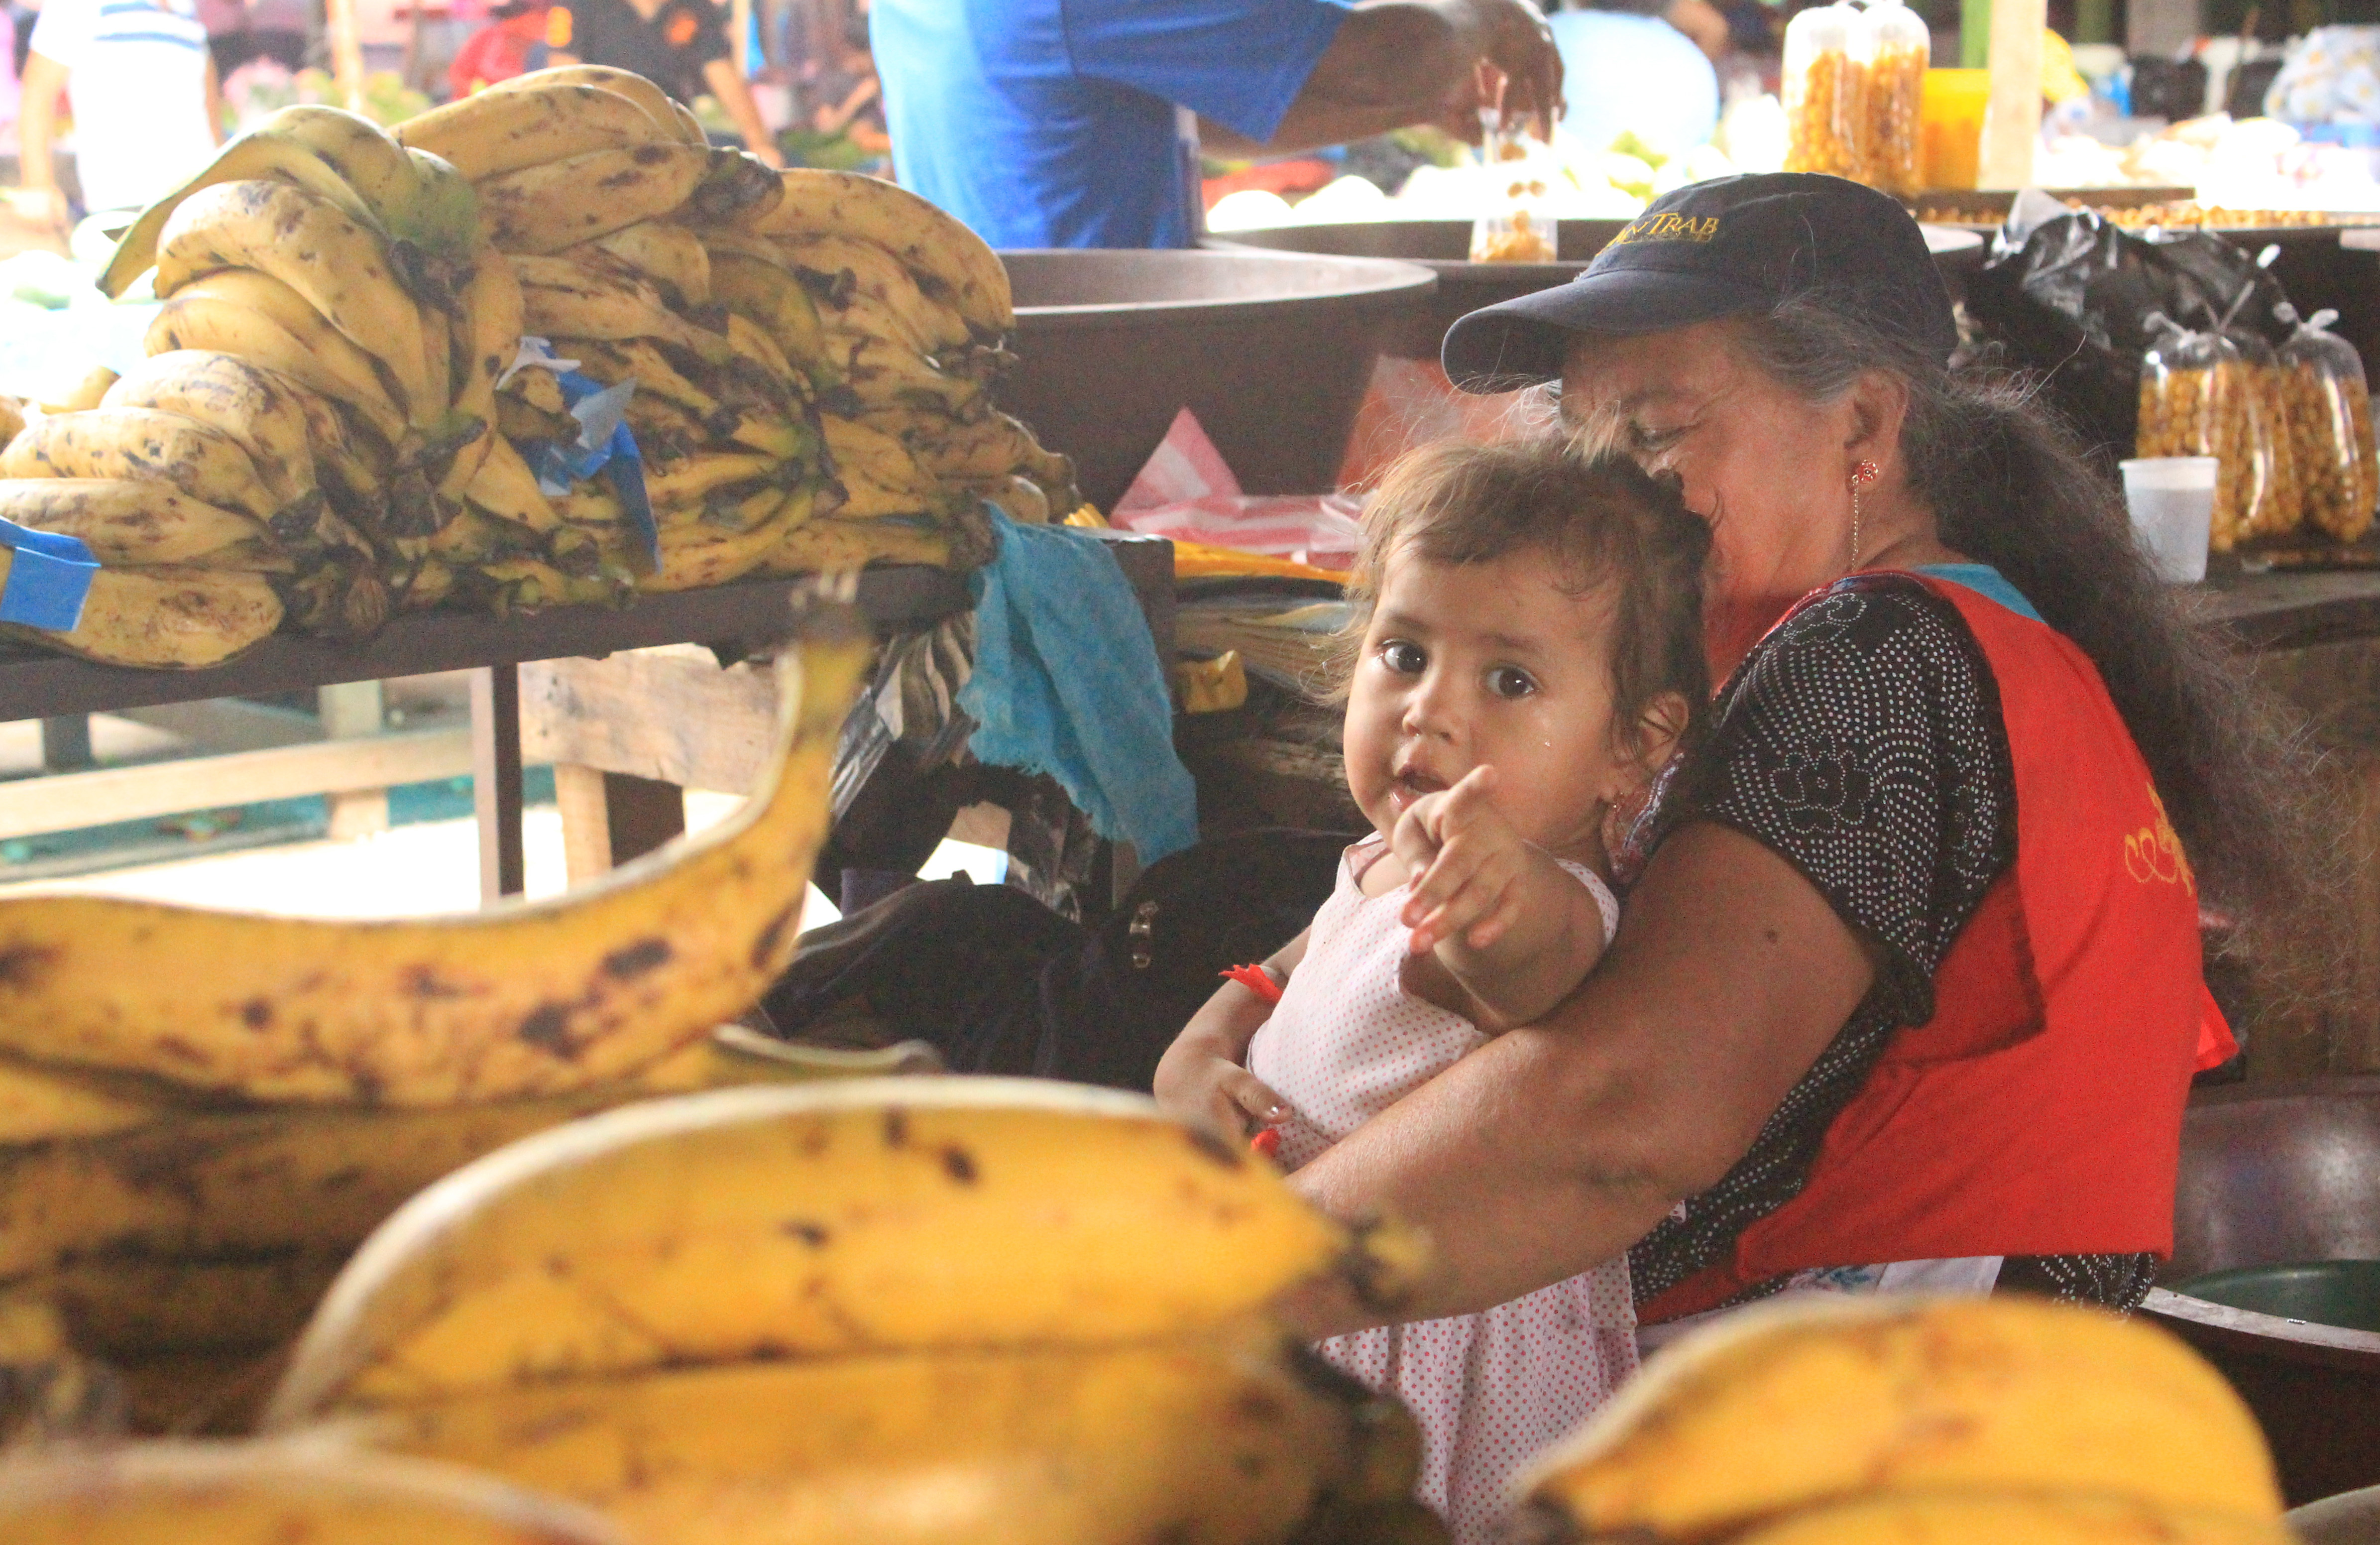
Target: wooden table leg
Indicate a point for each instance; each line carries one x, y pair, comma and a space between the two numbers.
66, 743
496, 780
610, 818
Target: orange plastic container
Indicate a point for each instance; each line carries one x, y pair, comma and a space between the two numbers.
1950, 116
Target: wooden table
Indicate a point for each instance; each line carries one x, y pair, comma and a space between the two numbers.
38, 685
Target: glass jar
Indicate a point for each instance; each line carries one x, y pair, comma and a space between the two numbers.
2195, 401
2329, 421
1824, 102
1897, 48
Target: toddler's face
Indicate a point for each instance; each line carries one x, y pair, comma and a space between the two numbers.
1488, 663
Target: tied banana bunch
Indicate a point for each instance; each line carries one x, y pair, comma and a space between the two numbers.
182, 1175
904, 1311
908, 315
1887, 1420
592, 182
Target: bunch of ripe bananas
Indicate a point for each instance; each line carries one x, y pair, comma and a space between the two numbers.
903, 1311
181, 1174
1893, 1420
592, 182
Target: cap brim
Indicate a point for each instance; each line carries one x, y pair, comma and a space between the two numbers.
1520, 342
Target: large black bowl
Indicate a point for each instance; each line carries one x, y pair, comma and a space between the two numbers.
1271, 351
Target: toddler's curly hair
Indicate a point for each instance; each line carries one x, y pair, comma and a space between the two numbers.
1599, 520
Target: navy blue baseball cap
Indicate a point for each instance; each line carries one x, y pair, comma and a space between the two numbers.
1730, 246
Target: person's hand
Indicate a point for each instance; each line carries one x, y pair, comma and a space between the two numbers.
1465, 861
1516, 42
1196, 1085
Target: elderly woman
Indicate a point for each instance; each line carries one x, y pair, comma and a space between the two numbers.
1908, 993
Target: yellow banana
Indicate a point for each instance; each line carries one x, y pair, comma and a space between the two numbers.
506, 487
832, 546
170, 1493
335, 155
877, 274
42, 1104
797, 1221
664, 431
86, 393
489, 342
696, 556
879, 458
348, 459
659, 252
128, 520
437, 367
121, 1306
881, 374
694, 479
536, 998
164, 617
756, 350
773, 298
1204, 1443
562, 298
949, 260
12, 417
339, 266
613, 361
990, 447
560, 203
663, 108
1921, 1394
221, 313
489, 133
2034, 1517
141, 443
257, 407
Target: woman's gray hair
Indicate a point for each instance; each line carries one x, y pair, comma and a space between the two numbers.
2009, 487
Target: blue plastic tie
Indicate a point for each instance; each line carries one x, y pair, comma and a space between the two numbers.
49, 578
606, 445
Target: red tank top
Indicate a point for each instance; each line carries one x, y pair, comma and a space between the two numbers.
2039, 1111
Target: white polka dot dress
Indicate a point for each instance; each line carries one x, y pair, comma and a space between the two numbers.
1490, 1390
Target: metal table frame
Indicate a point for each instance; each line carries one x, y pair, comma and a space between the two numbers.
38, 685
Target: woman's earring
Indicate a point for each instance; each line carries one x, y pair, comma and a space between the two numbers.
1863, 474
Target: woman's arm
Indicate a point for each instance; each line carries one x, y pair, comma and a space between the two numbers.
1201, 1077
1556, 1146
215, 102
37, 122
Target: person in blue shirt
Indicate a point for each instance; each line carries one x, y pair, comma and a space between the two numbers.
1077, 123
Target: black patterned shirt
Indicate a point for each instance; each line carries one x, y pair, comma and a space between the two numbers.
1861, 741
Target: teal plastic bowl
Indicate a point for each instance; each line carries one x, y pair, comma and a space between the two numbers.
2341, 1293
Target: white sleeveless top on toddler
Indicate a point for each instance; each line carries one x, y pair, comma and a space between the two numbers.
1490, 1390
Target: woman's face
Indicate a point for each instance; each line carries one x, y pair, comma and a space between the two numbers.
1769, 470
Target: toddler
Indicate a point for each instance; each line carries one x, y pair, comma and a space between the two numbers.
1530, 656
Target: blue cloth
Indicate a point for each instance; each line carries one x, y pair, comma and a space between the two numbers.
1622, 71
1986, 581
1067, 682
1052, 123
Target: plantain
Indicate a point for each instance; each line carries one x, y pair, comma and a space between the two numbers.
1924, 1394
850, 269
827, 545
221, 314
339, 266
164, 617
880, 374
136, 443
949, 260
489, 133
663, 108
489, 342
834, 1218
773, 298
513, 1001
1211, 1441
169, 1493
256, 407
564, 299
661, 252
696, 554
128, 521
545, 207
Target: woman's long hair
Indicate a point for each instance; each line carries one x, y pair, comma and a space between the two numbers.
2010, 488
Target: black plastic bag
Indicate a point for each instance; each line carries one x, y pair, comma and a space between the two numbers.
2071, 301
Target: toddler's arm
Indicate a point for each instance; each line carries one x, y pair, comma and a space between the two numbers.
1201, 1077
1494, 919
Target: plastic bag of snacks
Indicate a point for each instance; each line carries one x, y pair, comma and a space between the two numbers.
1522, 224
2280, 505
1824, 102
2196, 401
2329, 421
1898, 47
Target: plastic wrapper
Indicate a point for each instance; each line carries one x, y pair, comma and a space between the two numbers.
2329, 422
2071, 296
1522, 222
1825, 92
2278, 507
1898, 49
2195, 399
